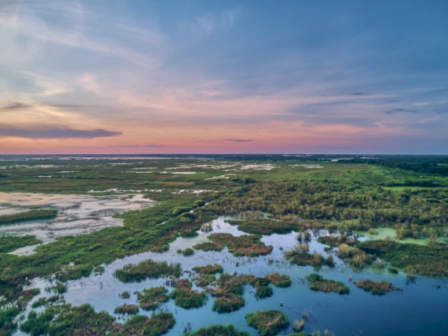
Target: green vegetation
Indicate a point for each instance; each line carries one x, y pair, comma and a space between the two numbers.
356, 257
59, 288
209, 269
318, 283
147, 269
268, 322
7, 315
188, 298
228, 303
126, 309
156, 325
9, 244
247, 245
335, 241
125, 295
375, 287
300, 256
28, 216
279, 280
265, 226
218, 330
151, 298
187, 252
426, 260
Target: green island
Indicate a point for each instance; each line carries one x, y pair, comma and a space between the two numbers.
152, 298
218, 330
268, 322
147, 269
27, 216
375, 287
319, 283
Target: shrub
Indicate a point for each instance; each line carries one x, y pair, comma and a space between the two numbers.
268, 322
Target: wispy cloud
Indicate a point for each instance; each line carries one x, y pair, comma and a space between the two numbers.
53, 132
239, 140
48, 86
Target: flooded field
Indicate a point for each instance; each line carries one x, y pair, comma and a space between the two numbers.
402, 312
77, 214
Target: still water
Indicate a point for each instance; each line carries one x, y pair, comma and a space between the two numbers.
419, 309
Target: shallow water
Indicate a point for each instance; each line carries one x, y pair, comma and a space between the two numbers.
420, 309
77, 214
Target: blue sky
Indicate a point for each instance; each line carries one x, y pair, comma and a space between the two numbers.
224, 77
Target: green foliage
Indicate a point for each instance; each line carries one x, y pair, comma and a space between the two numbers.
187, 252
268, 322
147, 269
151, 298
126, 309
28, 216
375, 287
218, 330
302, 258
318, 283
125, 295
209, 269
246, 245
426, 260
279, 280
228, 303
156, 325
188, 298
7, 315
265, 226
9, 244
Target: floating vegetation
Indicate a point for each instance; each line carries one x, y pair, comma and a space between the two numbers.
125, 295
218, 330
204, 280
318, 283
98, 270
246, 245
299, 325
147, 269
268, 322
279, 280
152, 298
28, 216
187, 252
156, 325
126, 309
354, 256
265, 226
209, 269
264, 292
228, 303
59, 288
300, 257
188, 298
43, 302
375, 287
335, 241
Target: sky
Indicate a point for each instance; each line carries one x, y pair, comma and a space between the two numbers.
253, 76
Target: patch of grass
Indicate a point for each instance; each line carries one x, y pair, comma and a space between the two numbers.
375, 287
208, 269
318, 283
279, 280
9, 244
268, 322
156, 325
7, 319
218, 330
187, 252
147, 269
228, 303
265, 226
246, 245
335, 241
126, 309
28, 216
302, 258
150, 299
125, 295
188, 298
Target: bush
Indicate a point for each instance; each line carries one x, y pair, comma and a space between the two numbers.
268, 322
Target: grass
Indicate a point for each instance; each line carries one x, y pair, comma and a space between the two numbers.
147, 269
9, 244
268, 322
375, 287
228, 303
279, 280
152, 298
426, 260
302, 258
156, 325
187, 252
188, 298
265, 226
126, 309
208, 269
246, 245
218, 330
318, 283
28, 216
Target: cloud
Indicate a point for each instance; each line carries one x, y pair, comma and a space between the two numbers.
53, 132
138, 146
49, 86
400, 110
239, 140
15, 106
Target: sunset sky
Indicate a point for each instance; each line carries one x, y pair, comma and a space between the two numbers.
140, 76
